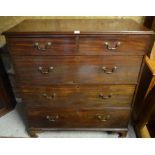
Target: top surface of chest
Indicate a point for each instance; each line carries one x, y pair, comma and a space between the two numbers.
78, 26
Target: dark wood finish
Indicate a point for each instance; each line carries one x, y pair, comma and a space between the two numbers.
75, 96
7, 99
105, 118
94, 45
77, 70
78, 74
60, 45
129, 44
86, 26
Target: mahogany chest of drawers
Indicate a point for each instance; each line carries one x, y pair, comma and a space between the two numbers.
78, 74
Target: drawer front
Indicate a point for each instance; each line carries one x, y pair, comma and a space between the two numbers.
114, 45
43, 46
106, 118
77, 70
75, 96
81, 45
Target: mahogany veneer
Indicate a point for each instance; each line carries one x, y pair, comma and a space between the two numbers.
78, 74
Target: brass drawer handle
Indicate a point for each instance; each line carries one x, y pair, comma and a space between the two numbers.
109, 71
49, 97
103, 118
105, 97
37, 46
52, 118
44, 70
106, 44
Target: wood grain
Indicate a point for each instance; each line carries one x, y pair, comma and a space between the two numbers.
81, 45
77, 70
86, 26
64, 86
76, 96
78, 118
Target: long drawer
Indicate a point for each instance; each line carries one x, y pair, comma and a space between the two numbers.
77, 69
77, 96
80, 45
104, 118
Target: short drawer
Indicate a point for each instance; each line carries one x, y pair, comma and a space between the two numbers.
43, 46
114, 45
105, 118
77, 69
76, 96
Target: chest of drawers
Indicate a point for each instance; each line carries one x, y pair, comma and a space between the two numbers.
78, 74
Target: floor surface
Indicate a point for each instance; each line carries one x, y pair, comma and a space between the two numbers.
13, 125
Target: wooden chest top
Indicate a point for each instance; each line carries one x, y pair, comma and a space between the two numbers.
73, 26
